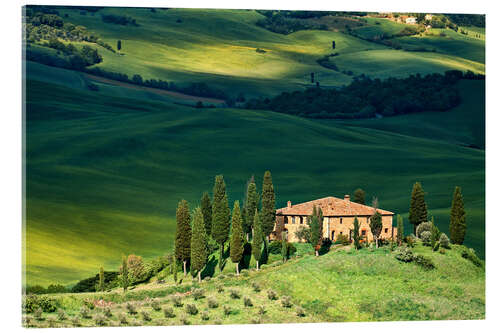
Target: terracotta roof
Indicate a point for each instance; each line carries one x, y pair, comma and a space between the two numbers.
331, 206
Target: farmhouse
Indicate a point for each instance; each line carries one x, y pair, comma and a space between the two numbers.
338, 219
411, 20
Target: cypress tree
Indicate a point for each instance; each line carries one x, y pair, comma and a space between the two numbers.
257, 238
252, 199
359, 196
355, 232
236, 249
284, 249
124, 272
457, 218
206, 210
198, 243
418, 207
400, 227
376, 226
435, 233
101, 279
220, 215
174, 269
315, 230
183, 234
268, 205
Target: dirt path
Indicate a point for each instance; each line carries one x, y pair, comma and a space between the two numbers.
205, 100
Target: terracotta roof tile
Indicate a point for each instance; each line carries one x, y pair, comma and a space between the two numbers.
331, 206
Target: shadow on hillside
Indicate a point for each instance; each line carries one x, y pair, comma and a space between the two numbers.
247, 256
209, 269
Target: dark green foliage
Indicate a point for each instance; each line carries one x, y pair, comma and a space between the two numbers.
404, 254
247, 301
268, 211
435, 247
418, 207
457, 218
237, 241
435, 234
284, 248
444, 241
342, 239
376, 226
258, 237
191, 309
425, 236
286, 302
198, 243
271, 294
410, 240
124, 273
119, 45
283, 22
470, 254
476, 20
424, 262
33, 302
220, 214
359, 196
315, 222
355, 234
197, 293
251, 202
400, 229
101, 279
168, 312
365, 97
234, 294
303, 234
119, 19
276, 247
206, 210
183, 232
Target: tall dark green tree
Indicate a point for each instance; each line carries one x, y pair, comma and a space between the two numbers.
418, 207
251, 202
198, 243
206, 210
284, 245
457, 218
237, 241
400, 227
268, 210
376, 226
435, 233
220, 215
257, 238
119, 45
183, 234
359, 196
355, 233
101, 279
315, 227
124, 273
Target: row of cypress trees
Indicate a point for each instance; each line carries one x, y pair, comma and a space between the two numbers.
214, 220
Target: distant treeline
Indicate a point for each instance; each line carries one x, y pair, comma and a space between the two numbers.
66, 56
119, 19
476, 20
366, 97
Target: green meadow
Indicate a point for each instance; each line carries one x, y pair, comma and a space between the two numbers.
105, 169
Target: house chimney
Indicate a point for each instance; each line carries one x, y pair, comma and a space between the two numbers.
347, 197
289, 204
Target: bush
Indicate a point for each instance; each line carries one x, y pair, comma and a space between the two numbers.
300, 312
75, 320
168, 312
404, 254
444, 241
220, 288
177, 301
146, 316
61, 315
271, 294
33, 302
197, 293
275, 248
256, 287
247, 301
411, 240
205, 316
442, 251
85, 312
191, 309
425, 236
227, 310
156, 305
235, 294
436, 246
342, 239
131, 308
424, 226
262, 310
423, 261
212, 303
100, 320
286, 301
184, 320
122, 317
107, 312
470, 254
38, 314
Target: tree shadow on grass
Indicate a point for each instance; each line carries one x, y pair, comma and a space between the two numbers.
247, 256
209, 269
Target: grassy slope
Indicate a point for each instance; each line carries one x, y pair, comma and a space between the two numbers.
349, 286
104, 174
218, 47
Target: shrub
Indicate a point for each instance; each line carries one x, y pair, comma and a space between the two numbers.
184, 320
235, 294
217, 322
436, 246
404, 254
425, 236
85, 312
146, 316
220, 288
275, 248
168, 312
423, 261
255, 320
206, 279
221, 277
300, 312
271, 294
156, 305
197, 293
256, 287
75, 320
262, 310
122, 317
61, 315
100, 320
107, 312
442, 251
444, 241
33, 302
424, 226
411, 240
227, 310
247, 301
38, 314
191, 309
342, 239
177, 300
205, 316
286, 301
470, 254
212, 303
51, 321
131, 308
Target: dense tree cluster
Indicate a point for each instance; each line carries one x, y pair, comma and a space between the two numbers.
366, 97
476, 20
285, 24
119, 19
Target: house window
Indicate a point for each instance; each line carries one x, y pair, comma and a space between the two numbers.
333, 234
301, 220
293, 219
363, 232
286, 220
341, 232
386, 230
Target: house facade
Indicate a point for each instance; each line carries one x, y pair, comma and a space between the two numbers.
338, 219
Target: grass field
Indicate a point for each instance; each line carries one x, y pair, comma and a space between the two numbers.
364, 285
